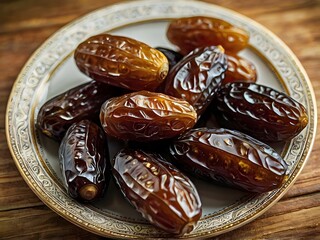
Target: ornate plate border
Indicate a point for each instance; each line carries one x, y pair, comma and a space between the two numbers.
20, 109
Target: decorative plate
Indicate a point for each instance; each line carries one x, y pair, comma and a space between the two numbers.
52, 70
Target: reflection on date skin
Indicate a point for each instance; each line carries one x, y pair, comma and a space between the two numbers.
260, 111
162, 194
122, 62
146, 116
197, 77
239, 70
231, 158
84, 161
198, 31
81, 102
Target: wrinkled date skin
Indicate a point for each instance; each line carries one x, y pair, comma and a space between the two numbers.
260, 111
172, 56
122, 62
84, 101
239, 70
161, 193
194, 32
231, 158
84, 161
146, 116
197, 77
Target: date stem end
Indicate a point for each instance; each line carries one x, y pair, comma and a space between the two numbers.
88, 192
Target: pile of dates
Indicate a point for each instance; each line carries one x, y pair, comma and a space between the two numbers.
156, 101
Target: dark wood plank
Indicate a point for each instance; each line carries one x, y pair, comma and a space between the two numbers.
14, 192
309, 179
15, 50
302, 214
49, 13
39, 223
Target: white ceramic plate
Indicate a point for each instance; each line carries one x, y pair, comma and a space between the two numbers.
51, 70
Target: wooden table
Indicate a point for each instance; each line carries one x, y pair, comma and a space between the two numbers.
25, 24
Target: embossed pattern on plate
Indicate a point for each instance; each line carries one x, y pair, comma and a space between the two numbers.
28, 150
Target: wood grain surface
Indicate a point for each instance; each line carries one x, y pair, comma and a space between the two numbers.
26, 24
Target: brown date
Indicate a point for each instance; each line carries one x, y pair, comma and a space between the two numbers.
122, 62
197, 77
161, 193
146, 116
239, 70
81, 102
260, 111
172, 56
84, 162
231, 158
198, 31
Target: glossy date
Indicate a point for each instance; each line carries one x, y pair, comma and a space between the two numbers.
122, 62
239, 70
199, 31
231, 158
260, 111
161, 193
146, 116
84, 161
197, 77
81, 102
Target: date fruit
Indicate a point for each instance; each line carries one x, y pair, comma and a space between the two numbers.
260, 111
81, 102
197, 77
172, 56
83, 161
239, 70
146, 116
122, 62
199, 31
231, 158
161, 193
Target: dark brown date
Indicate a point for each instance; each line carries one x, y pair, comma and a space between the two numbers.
260, 111
161, 193
239, 70
197, 77
83, 161
193, 32
146, 116
122, 62
231, 158
172, 56
82, 102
